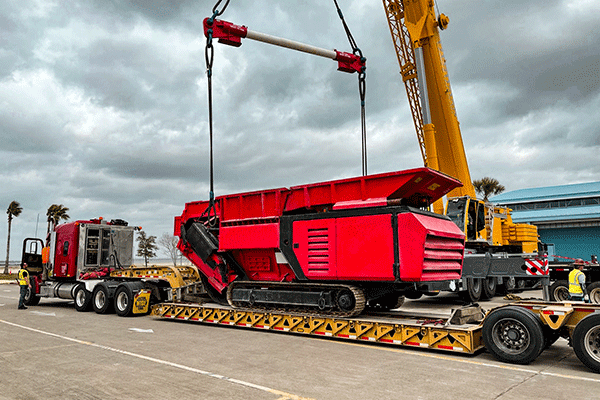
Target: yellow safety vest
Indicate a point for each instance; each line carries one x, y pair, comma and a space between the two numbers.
23, 277
574, 286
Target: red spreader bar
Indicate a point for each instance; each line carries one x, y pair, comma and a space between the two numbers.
232, 34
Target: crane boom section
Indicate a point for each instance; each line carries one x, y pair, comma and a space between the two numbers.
415, 31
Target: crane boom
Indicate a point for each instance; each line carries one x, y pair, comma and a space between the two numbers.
415, 33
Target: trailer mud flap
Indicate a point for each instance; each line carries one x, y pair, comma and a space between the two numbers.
141, 302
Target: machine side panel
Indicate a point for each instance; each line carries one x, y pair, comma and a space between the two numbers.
255, 236
314, 245
430, 249
365, 248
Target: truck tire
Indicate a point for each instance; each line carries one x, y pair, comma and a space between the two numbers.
559, 291
594, 292
124, 297
101, 300
83, 299
490, 284
513, 334
586, 341
31, 297
474, 290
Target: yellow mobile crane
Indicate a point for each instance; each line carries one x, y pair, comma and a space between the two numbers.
488, 229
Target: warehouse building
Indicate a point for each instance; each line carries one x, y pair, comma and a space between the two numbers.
567, 216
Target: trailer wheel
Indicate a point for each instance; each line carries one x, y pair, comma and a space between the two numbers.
586, 341
513, 334
490, 285
594, 292
101, 300
474, 290
31, 298
559, 291
83, 299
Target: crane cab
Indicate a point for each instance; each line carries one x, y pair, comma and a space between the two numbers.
469, 215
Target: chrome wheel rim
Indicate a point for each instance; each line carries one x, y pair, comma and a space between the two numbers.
122, 301
592, 343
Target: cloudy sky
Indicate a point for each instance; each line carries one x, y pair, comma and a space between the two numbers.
103, 103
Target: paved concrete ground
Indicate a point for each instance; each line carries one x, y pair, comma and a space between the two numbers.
64, 354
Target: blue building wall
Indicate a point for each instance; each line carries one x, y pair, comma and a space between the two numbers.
573, 242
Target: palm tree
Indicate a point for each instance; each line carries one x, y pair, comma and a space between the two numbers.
488, 186
56, 212
14, 210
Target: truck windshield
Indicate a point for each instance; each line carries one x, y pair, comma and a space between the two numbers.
456, 212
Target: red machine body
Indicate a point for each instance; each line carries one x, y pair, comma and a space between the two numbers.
369, 230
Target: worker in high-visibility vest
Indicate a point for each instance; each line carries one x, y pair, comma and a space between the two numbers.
24, 284
577, 291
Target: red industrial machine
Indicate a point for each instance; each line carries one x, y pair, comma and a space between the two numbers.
332, 247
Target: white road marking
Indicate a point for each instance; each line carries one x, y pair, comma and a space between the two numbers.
141, 330
483, 364
284, 395
44, 314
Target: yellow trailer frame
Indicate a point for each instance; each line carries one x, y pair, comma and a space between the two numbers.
397, 329
516, 333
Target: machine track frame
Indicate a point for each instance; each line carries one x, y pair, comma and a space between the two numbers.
328, 299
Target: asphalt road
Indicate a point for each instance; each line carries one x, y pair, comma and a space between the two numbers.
51, 351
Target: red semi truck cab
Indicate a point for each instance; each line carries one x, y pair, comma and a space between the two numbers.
77, 254
81, 247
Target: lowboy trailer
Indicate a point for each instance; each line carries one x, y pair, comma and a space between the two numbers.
515, 333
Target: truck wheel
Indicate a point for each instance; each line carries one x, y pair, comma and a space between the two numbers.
83, 299
594, 292
31, 298
509, 283
586, 341
124, 297
100, 299
474, 290
513, 334
559, 291
489, 288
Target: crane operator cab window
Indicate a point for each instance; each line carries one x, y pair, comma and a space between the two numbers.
468, 214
